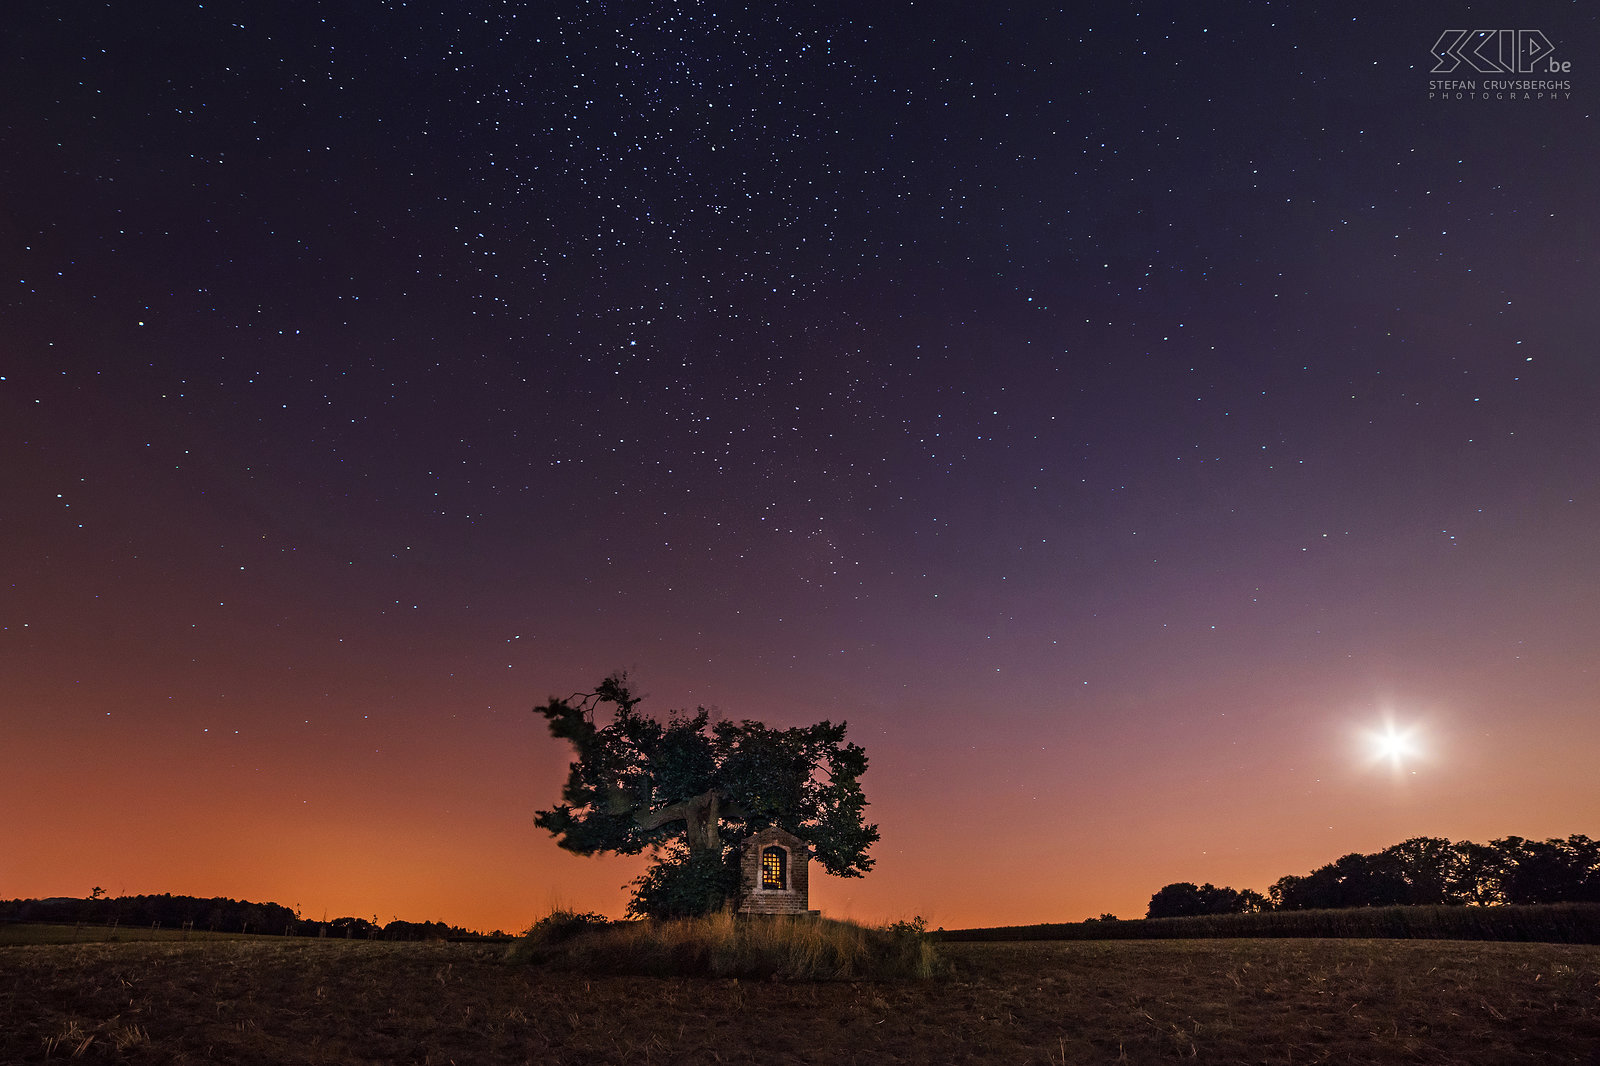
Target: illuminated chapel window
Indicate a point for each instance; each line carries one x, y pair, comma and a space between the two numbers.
773, 863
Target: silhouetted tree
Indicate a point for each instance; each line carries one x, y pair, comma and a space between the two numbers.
165, 909
1287, 893
1549, 871
353, 928
1371, 880
398, 930
1477, 874
1428, 868
1253, 902
1354, 880
1184, 899
1433, 870
1177, 900
690, 792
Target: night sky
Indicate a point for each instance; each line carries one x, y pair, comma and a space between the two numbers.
1116, 417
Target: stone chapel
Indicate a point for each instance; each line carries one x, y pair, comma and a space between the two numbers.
773, 874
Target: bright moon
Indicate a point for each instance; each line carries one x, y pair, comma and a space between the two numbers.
1394, 745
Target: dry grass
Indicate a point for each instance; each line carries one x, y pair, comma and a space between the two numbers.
1217, 1001
798, 948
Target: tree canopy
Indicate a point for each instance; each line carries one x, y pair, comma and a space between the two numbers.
690, 791
1185, 898
1435, 870
1422, 870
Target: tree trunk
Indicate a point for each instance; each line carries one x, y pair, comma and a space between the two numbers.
700, 817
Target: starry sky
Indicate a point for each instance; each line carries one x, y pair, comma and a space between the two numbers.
1114, 416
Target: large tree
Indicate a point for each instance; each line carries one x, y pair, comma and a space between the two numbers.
1184, 899
690, 791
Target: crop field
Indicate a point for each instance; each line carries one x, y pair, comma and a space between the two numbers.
1545, 923
168, 999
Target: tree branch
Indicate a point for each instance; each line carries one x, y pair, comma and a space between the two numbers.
698, 813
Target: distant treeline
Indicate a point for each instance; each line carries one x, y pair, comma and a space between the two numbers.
220, 915
1422, 871
1553, 923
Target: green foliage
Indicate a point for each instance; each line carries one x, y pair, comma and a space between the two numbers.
743, 774
762, 947
632, 762
684, 883
805, 780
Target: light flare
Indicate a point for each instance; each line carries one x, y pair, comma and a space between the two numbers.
1395, 745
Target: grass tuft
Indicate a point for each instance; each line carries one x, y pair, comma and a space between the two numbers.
560, 926
761, 947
